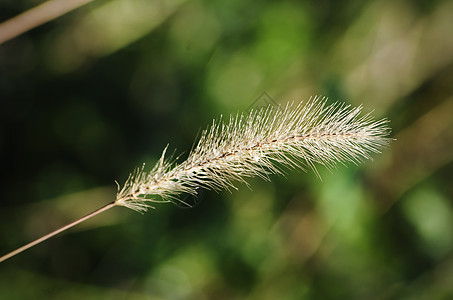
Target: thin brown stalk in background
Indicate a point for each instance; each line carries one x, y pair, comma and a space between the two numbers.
37, 16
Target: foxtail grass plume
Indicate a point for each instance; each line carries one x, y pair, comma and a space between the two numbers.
259, 143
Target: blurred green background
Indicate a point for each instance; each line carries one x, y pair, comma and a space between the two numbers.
89, 96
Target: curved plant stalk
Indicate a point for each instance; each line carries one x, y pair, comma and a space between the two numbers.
258, 143
37, 16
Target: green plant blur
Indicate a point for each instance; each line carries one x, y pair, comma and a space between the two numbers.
87, 97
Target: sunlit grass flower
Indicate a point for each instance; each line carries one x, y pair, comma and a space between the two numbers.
258, 143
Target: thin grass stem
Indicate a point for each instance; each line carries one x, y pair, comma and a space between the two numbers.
47, 236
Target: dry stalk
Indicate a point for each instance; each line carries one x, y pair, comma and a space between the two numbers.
258, 143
